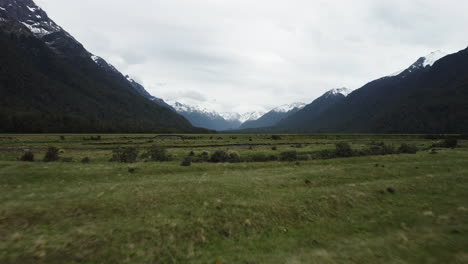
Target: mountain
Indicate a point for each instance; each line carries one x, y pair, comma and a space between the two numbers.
50, 83
428, 97
201, 117
274, 116
297, 120
242, 118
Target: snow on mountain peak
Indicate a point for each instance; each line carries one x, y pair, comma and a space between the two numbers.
288, 107
344, 91
184, 108
423, 62
250, 116
33, 17
430, 59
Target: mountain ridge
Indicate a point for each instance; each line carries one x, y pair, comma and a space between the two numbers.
50, 83
424, 98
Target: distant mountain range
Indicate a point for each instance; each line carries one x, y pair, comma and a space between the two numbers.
274, 116
430, 96
50, 83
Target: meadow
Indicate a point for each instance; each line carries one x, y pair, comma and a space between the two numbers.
269, 199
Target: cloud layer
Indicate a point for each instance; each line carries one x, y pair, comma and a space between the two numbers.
248, 55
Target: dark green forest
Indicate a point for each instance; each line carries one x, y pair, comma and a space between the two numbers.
43, 91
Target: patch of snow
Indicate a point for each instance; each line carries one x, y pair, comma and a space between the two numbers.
423, 62
2, 8
288, 107
344, 91
32, 9
250, 116
183, 108
430, 59
36, 30
95, 58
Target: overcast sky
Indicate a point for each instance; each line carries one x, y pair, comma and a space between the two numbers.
243, 55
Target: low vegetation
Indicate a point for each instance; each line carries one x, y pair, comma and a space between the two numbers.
336, 199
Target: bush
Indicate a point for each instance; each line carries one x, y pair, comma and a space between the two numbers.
51, 155
288, 156
343, 149
276, 137
450, 143
156, 153
234, 157
378, 149
85, 160
66, 159
92, 138
219, 156
127, 155
274, 148
408, 149
186, 162
202, 157
27, 156
62, 137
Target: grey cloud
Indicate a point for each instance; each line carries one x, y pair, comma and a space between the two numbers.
250, 55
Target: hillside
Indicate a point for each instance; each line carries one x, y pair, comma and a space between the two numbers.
428, 97
50, 83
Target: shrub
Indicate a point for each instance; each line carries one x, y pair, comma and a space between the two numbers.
27, 156
343, 149
127, 155
234, 157
408, 148
219, 156
62, 137
186, 162
202, 157
51, 155
288, 156
378, 149
276, 137
191, 154
450, 143
85, 160
274, 148
66, 159
156, 153
92, 138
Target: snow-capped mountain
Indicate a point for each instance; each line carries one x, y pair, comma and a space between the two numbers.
85, 89
429, 96
38, 22
289, 107
273, 117
313, 110
31, 16
242, 118
202, 117
343, 91
421, 63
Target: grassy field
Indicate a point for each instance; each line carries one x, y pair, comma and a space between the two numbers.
399, 208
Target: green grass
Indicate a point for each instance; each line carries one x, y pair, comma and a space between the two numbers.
322, 211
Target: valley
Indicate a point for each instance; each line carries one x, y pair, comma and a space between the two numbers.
360, 209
